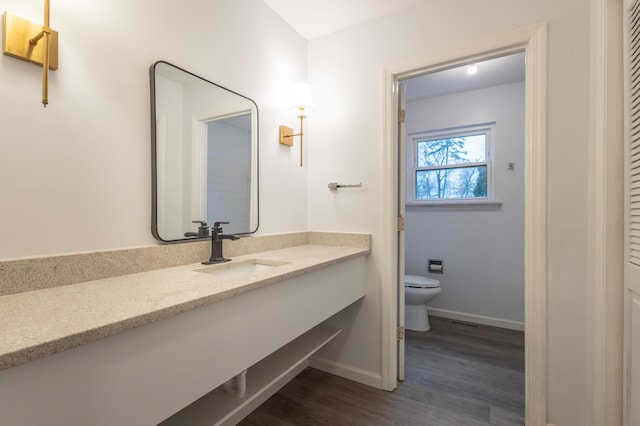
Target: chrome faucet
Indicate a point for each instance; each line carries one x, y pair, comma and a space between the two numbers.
216, 243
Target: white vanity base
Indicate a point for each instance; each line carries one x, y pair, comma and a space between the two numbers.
146, 375
263, 380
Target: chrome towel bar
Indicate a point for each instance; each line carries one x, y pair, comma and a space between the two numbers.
333, 186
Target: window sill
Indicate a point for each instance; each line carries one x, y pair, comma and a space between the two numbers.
456, 206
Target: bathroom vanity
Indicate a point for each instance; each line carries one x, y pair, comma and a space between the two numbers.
143, 347
151, 335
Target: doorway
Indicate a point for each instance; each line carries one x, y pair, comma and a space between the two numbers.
533, 42
464, 210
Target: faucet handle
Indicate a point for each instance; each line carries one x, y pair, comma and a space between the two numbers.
203, 229
217, 224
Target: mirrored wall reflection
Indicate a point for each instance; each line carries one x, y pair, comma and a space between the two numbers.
204, 156
228, 172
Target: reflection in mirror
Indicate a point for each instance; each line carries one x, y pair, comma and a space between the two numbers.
204, 156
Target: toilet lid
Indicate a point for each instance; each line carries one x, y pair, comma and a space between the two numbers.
418, 281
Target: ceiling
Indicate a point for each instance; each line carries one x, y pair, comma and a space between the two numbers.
492, 72
316, 18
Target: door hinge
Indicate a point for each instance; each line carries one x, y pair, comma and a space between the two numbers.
400, 333
400, 224
401, 115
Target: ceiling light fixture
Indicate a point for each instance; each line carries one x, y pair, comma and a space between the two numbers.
472, 69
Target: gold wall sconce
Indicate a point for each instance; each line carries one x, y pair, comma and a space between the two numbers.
301, 107
33, 43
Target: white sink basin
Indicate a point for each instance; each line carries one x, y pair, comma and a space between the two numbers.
241, 268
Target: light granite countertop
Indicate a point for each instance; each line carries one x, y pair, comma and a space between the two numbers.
39, 323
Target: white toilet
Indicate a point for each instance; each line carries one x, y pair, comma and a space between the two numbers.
418, 291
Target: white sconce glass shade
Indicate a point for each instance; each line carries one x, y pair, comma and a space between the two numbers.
302, 101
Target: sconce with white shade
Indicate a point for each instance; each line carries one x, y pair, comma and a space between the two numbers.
302, 108
33, 43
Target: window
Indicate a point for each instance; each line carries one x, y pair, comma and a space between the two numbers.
451, 165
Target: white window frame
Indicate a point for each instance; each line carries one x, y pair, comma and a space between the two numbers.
463, 203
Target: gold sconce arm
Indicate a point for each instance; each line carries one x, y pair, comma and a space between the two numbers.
46, 32
302, 106
287, 135
18, 43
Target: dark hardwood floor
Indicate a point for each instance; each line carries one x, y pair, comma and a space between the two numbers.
456, 374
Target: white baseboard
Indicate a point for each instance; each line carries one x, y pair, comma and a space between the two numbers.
365, 377
478, 319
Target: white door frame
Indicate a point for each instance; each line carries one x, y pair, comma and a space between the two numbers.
605, 215
631, 268
400, 206
199, 160
533, 40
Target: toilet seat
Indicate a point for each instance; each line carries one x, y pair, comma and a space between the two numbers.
416, 281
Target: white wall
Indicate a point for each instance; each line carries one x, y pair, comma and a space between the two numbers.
483, 251
171, 189
76, 176
345, 144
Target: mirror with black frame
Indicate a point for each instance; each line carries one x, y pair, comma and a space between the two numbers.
204, 153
